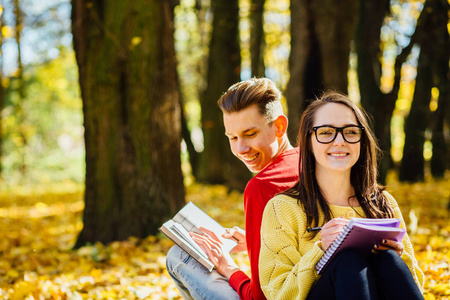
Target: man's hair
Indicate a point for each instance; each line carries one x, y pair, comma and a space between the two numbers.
259, 91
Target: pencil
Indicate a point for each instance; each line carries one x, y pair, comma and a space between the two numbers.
313, 229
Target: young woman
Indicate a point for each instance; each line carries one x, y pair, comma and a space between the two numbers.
337, 181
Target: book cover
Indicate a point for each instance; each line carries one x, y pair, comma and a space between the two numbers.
189, 219
362, 234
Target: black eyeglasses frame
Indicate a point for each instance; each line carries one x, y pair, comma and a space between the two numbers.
338, 129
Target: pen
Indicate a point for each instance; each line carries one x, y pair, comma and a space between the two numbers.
235, 239
313, 229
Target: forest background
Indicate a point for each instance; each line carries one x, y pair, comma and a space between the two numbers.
109, 124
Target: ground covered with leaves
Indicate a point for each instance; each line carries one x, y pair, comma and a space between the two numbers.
39, 225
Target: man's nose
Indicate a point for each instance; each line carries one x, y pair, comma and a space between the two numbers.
243, 147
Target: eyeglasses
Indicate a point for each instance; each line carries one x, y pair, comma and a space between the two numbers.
326, 134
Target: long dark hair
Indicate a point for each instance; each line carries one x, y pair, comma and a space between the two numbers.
363, 176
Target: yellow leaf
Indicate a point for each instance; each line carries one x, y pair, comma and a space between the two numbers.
22, 289
7, 31
136, 41
429, 296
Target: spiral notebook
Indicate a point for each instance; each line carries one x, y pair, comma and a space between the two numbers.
362, 234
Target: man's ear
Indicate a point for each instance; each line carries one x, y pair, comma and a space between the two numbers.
281, 124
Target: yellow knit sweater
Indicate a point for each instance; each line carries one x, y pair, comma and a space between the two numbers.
287, 258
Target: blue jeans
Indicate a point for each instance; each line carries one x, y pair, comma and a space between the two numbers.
194, 281
352, 276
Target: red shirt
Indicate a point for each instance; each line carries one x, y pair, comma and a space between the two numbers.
277, 177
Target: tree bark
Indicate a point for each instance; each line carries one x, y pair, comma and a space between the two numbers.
440, 159
412, 165
217, 165
321, 33
186, 135
432, 72
126, 60
301, 50
2, 93
21, 88
378, 104
335, 24
257, 42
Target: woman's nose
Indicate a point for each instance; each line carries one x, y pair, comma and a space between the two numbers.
339, 138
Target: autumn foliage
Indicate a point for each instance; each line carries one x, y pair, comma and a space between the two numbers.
39, 225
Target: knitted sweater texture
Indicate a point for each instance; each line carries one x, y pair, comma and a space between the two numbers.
288, 257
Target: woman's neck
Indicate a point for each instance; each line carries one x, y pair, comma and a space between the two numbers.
336, 188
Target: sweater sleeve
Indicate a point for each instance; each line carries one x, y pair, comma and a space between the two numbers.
408, 253
256, 196
287, 259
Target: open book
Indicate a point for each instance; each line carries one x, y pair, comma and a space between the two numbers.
191, 218
362, 234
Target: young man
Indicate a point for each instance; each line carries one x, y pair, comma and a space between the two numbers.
256, 128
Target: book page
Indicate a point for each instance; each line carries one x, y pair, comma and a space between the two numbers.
192, 218
184, 234
392, 222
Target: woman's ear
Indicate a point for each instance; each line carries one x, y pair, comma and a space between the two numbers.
281, 124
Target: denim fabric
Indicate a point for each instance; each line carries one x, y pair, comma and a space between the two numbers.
194, 281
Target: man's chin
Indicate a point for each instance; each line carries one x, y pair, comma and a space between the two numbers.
254, 169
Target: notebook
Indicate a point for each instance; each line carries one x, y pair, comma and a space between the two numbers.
362, 234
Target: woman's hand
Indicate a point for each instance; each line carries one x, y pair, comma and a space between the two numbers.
331, 230
389, 245
212, 246
237, 234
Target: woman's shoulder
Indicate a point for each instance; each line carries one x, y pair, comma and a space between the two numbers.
283, 199
286, 211
390, 198
393, 203
285, 206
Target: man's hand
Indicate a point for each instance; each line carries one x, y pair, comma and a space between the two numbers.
212, 246
237, 234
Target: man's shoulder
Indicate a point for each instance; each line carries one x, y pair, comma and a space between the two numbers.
285, 164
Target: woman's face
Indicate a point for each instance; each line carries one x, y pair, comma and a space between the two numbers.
339, 155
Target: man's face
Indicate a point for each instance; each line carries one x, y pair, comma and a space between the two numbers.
252, 139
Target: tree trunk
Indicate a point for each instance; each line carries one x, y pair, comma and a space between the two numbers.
126, 60
2, 92
257, 42
335, 24
379, 105
21, 89
412, 165
302, 45
186, 135
217, 165
439, 160
321, 32
432, 72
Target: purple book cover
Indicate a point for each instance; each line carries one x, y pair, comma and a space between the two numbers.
362, 234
